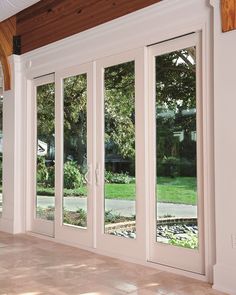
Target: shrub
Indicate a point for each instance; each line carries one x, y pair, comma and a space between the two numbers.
42, 172
45, 213
50, 182
78, 218
72, 177
191, 242
111, 177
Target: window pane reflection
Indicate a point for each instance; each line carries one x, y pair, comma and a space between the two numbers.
75, 151
119, 83
176, 157
45, 202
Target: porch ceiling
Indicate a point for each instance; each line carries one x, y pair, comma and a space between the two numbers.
11, 7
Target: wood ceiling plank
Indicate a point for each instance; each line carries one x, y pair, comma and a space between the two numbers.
56, 20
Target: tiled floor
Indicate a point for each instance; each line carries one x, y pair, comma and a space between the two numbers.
31, 266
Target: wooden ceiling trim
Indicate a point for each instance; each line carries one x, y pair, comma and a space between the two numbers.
228, 15
48, 20
7, 31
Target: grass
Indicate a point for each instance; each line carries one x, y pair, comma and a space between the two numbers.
178, 190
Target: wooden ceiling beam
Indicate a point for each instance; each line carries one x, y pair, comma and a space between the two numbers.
228, 15
48, 21
7, 31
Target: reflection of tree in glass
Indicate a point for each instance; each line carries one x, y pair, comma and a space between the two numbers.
120, 109
46, 116
176, 87
176, 111
75, 119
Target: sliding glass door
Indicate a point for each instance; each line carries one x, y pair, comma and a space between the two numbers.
119, 146
118, 155
74, 156
176, 209
43, 144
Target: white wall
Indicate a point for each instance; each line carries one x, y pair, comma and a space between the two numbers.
12, 219
225, 154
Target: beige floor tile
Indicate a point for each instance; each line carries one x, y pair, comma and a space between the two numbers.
32, 266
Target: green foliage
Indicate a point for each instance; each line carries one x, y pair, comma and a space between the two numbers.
176, 92
191, 242
110, 217
45, 213
1, 170
72, 177
173, 167
120, 109
42, 171
51, 176
45, 111
78, 218
111, 177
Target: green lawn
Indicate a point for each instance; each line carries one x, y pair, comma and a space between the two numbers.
181, 190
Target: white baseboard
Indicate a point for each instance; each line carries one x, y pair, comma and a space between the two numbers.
225, 279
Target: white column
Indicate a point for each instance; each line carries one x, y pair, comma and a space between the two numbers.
13, 216
225, 154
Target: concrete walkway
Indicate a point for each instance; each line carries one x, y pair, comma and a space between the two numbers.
122, 207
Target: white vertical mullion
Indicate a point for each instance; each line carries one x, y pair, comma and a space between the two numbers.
140, 149
29, 153
200, 154
59, 151
152, 153
90, 149
93, 100
100, 150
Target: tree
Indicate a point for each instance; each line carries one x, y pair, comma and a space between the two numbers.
175, 94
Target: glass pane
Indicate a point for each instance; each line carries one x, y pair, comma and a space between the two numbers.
45, 202
1, 140
176, 138
75, 151
119, 81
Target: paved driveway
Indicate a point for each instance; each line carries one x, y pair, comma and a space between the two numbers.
122, 207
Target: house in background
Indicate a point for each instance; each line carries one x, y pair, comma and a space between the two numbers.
87, 80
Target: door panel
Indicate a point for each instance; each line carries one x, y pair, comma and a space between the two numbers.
44, 156
176, 199
119, 145
74, 155
120, 219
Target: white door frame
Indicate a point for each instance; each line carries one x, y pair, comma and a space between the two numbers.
178, 257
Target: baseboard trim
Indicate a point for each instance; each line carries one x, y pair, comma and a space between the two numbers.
224, 279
